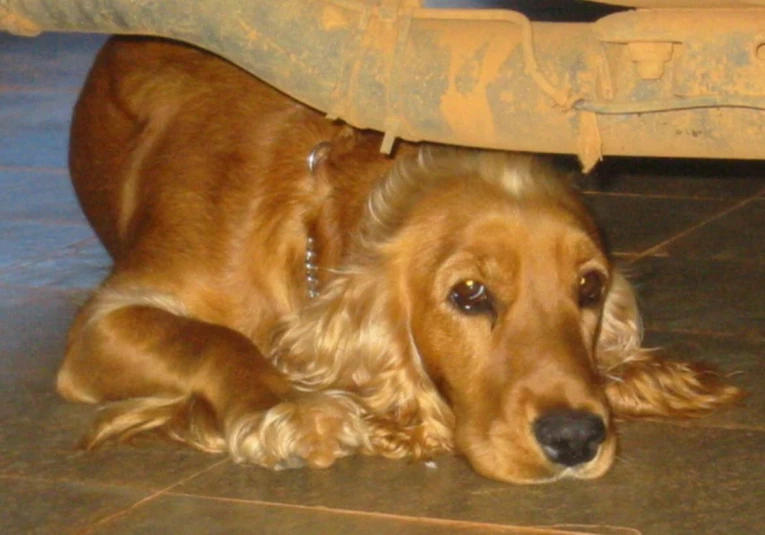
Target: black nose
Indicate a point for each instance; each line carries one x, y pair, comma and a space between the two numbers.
570, 437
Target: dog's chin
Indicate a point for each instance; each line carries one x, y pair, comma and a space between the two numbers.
528, 466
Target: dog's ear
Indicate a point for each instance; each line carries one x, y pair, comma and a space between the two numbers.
621, 329
355, 337
639, 383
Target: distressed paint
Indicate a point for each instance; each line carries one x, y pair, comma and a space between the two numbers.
486, 78
472, 68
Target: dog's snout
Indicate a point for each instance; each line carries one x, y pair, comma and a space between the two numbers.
569, 437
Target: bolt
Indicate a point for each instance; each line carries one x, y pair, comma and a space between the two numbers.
650, 58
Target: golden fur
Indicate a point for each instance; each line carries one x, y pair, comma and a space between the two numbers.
194, 175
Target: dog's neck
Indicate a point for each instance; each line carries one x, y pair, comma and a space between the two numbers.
317, 154
311, 268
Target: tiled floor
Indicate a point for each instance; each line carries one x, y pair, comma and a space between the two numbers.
696, 244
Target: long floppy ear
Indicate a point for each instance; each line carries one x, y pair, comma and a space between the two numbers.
354, 337
640, 384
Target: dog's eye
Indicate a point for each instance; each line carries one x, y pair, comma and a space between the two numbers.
591, 286
471, 297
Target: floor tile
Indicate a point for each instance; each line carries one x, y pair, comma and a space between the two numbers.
58, 508
174, 514
702, 470
738, 235
39, 195
12, 297
41, 434
701, 296
82, 265
52, 60
38, 124
33, 331
22, 242
633, 224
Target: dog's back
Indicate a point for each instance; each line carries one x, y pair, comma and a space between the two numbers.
158, 127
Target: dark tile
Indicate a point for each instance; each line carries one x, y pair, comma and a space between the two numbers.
366, 484
38, 124
51, 60
738, 235
687, 481
718, 179
41, 433
58, 507
38, 195
11, 297
712, 296
704, 471
82, 265
171, 514
634, 224
33, 332
23, 242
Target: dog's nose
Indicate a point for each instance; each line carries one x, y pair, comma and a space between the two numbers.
570, 437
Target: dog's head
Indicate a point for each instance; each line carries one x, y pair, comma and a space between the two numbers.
477, 302
503, 278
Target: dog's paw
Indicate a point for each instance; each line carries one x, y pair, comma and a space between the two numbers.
312, 430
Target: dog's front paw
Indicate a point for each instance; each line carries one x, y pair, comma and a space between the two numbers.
312, 430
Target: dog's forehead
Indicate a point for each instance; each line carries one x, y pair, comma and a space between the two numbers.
495, 246
477, 226
537, 245
529, 226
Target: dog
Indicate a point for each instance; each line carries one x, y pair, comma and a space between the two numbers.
284, 292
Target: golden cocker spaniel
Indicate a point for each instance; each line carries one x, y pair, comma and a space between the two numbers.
283, 292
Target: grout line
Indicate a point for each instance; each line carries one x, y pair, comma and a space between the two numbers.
119, 514
700, 332
66, 250
651, 250
4, 88
46, 221
445, 522
31, 169
698, 424
31, 295
653, 196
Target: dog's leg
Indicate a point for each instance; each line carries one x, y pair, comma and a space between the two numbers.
641, 384
201, 383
